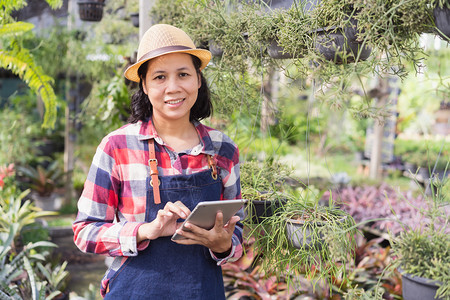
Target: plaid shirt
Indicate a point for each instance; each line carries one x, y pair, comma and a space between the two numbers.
112, 205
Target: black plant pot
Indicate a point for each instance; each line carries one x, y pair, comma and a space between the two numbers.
215, 48
418, 288
306, 5
276, 51
257, 210
135, 19
442, 22
340, 46
90, 10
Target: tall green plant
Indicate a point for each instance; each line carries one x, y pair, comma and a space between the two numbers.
21, 274
20, 60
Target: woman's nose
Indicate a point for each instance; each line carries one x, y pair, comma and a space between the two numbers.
173, 85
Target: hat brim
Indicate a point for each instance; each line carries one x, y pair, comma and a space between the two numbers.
131, 73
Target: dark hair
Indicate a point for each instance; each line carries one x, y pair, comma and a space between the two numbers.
141, 108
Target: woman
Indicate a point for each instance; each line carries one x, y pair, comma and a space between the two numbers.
152, 172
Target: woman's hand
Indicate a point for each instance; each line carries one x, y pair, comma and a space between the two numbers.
165, 222
218, 239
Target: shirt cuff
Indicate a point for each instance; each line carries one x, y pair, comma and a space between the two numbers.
127, 239
235, 253
222, 261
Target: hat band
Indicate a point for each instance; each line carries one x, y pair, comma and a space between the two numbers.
163, 50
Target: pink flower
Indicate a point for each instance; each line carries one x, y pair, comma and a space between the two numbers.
5, 171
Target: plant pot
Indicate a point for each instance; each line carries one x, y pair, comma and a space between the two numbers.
257, 210
409, 167
90, 10
418, 288
215, 48
340, 45
48, 203
301, 236
442, 22
135, 19
306, 5
276, 51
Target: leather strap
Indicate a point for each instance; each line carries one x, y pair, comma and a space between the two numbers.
153, 163
212, 166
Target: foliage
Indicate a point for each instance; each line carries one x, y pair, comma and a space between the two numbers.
331, 241
22, 275
43, 180
423, 250
384, 209
424, 253
244, 278
262, 180
429, 154
20, 61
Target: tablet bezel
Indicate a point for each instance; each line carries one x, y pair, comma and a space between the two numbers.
204, 214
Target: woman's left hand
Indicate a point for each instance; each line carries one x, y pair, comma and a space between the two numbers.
218, 239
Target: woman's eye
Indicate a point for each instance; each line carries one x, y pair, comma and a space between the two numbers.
184, 74
159, 77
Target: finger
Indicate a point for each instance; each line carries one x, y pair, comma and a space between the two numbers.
190, 235
181, 210
219, 221
233, 221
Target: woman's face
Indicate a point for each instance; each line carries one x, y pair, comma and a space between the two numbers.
171, 83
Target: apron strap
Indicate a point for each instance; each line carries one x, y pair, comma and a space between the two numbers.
212, 166
153, 163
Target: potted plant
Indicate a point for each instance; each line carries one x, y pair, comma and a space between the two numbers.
43, 182
91, 10
135, 19
441, 14
318, 245
260, 184
422, 252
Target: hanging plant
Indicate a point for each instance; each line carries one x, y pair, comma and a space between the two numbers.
441, 14
91, 10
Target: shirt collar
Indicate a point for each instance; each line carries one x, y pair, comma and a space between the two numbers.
148, 131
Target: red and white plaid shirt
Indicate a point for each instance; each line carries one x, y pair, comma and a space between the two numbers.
112, 205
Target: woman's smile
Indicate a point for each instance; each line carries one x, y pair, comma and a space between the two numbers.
171, 84
173, 102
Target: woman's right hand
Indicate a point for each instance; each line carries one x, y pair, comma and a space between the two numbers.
165, 223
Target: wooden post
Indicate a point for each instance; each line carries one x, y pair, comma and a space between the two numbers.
378, 130
145, 21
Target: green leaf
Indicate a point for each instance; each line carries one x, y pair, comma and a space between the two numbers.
15, 28
21, 63
54, 4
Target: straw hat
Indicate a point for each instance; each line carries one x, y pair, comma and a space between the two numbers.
162, 39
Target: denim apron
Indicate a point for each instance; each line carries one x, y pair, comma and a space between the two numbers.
165, 269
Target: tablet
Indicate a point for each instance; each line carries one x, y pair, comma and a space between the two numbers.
204, 214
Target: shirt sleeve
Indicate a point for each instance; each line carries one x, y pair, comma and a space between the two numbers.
95, 228
228, 162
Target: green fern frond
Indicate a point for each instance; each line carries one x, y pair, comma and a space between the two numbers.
21, 63
54, 4
15, 28
11, 5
